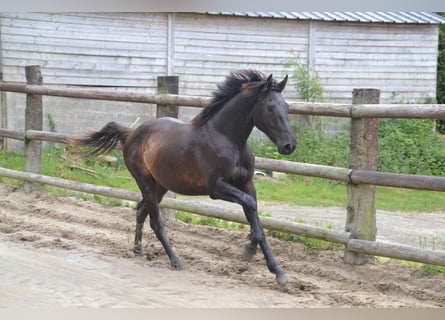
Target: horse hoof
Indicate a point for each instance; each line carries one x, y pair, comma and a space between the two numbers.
282, 278
177, 265
248, 252
138, 251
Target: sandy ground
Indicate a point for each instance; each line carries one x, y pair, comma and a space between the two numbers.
70, 252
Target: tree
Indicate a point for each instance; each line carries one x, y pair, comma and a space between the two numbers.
307, 83
440, 89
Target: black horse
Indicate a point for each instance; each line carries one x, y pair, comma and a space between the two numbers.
208, 156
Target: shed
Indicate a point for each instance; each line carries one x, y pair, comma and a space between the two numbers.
395, 52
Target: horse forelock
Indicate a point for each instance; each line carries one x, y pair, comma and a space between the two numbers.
241, 80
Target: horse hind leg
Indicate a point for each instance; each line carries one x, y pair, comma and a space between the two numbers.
157, 225
152, 195
141, 215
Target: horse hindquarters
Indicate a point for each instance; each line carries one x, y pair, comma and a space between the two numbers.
152, 194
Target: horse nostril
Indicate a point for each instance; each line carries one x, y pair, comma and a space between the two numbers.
289, 147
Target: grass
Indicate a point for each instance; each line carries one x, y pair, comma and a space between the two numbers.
310, 243
426, 269
297, 190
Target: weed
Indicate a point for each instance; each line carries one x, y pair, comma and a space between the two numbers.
426, 269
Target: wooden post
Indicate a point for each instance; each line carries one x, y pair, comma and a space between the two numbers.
3, 115
361, 221
168, 85
33, 121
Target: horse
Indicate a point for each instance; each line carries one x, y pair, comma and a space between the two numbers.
207, 156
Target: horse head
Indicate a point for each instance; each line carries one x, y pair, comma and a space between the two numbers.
270, 115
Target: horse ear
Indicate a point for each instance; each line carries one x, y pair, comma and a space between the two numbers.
282, 84
269, 83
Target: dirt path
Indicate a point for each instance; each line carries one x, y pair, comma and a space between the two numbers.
70, 252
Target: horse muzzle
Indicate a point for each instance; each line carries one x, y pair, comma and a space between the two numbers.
287, 147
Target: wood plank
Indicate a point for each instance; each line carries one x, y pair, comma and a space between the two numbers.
119, 21
361, 62
137, 50
237, 25
405, 48
93, 18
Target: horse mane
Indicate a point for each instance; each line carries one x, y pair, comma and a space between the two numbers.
226, 90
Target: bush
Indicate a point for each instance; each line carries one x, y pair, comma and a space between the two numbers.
306, 80
440, 86
405, 146
410, 146
313, 147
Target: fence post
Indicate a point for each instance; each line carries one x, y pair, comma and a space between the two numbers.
33, 121
3, 115
361, 221
168, 85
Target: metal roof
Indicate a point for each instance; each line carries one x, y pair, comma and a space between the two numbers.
376, 17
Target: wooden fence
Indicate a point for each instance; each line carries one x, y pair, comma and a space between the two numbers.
361, 177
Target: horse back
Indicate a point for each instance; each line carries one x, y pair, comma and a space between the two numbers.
184, 159
164, 149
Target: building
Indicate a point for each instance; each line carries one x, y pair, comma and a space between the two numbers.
394, 52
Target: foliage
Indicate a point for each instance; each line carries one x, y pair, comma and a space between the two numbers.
314, 146
426, 269
309, 243
192, 218
405, 146
411, 146
440, 91
306, 81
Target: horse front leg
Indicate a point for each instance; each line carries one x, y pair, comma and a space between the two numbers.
225, 191
250, 248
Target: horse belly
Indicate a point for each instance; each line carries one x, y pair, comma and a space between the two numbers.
176, 173
183, 182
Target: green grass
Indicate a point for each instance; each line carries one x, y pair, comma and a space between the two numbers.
309, 191
297, 190
66, 163
426, 269
310, 243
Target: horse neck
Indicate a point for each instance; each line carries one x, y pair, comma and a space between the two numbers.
234, 120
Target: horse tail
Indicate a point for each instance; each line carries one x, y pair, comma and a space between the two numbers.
110, 137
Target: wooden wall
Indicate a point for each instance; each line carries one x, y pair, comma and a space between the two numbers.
127, 51
395, 58
131, 49
207, 48
116, 50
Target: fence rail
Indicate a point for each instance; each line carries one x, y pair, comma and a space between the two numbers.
436, 257
407, 111
353, 176
360, 176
